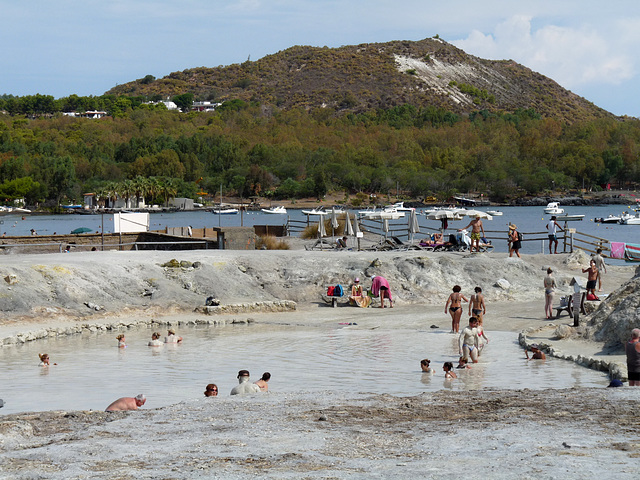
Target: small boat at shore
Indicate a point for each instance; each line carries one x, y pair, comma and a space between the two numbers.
279, 210
224, 211
315, 211
630, 219
553, 208
608, 219
13, 210
569, 218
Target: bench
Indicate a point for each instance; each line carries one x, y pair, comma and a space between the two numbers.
569, 306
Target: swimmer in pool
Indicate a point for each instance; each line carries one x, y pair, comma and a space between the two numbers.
468, 341
425, 366
454, 306
448, 370
477, 307
121, 341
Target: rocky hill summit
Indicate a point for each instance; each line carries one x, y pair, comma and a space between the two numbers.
360, 78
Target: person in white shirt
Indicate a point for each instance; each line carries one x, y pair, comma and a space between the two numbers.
552, 227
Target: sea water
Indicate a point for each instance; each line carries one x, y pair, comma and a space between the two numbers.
528, 219
91, 371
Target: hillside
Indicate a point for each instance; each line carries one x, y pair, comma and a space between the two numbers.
429, 72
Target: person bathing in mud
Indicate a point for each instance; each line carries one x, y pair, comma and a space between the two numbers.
537, 354
121, 341
454, 306
425, 366
448, 370
469, 341
44, 360
462, 363
127, 403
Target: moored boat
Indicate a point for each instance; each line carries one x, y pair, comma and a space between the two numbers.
553, 208
608, 219
276, 210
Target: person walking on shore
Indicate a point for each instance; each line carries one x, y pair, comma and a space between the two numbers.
601, 266
454, 306
552, 227
632, 349
515, 244
549, 289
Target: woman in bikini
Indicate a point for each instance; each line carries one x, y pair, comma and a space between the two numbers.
476, 305
549, 289
455, 309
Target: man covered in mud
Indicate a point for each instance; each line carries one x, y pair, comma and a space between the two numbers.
468, 341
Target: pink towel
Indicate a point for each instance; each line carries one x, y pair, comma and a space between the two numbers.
617, 249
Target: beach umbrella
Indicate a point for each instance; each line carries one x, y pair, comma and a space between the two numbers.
322, 232
414, 227
81, 230
348, 227
478, 213
444, 216
334, 222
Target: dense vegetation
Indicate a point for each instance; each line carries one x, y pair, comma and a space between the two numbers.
255, 150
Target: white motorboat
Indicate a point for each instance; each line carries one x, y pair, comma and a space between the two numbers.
630, 219
553, 208
494, 213
224, 211
13, 210
315, 211
277, 210
608, 219
398, 207
569, 218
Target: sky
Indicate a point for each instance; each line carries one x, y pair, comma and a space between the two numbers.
86, 47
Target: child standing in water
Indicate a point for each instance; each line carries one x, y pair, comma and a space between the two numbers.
448, 370
455, 310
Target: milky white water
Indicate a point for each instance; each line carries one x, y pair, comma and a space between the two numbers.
92, 371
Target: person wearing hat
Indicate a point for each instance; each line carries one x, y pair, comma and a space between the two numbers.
245, 386
514, 240
380, 287
127, 403
537, 354
171, 337
357, 297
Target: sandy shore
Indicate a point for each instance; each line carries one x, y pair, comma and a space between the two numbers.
575, 433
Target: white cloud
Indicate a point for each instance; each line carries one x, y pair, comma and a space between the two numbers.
572, 56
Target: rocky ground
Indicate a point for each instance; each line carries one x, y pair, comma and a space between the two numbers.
575, 433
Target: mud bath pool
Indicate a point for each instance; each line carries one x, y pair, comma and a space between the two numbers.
92, 371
